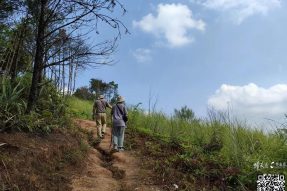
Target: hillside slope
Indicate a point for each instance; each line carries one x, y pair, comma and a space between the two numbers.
64, 160
110, 171
34, 162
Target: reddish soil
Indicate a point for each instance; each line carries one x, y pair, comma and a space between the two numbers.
33, 162
63, 160
108, 171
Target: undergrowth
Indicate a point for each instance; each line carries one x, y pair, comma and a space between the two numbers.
220, 152
50, 111
80, 108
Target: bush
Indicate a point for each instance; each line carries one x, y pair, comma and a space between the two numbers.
50, 111
11, 103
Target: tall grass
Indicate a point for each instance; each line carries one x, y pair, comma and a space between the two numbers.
80, 108
220, 139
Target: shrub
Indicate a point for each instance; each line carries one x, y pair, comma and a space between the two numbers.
50, 111
11, 103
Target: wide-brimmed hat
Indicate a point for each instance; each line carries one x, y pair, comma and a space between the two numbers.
101, 97
120, 99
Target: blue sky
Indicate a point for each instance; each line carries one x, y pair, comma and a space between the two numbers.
202, 53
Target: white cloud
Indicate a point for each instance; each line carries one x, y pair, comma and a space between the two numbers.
173, 22
251, 102
239, 10
142, 55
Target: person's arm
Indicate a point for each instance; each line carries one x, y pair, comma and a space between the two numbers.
94, 110
108, 105
125, 110
112, 112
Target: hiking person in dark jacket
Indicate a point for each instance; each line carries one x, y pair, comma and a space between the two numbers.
119, 117
99, 113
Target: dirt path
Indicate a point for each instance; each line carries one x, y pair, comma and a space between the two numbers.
108, 171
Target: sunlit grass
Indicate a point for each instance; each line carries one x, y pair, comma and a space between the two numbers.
219, 138
80, 108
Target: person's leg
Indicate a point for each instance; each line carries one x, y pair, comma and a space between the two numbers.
104, 122
121, 138
115, 137
99, 125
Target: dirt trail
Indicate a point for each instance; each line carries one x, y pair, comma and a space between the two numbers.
106, 171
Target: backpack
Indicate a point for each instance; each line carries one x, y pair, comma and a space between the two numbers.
125, 117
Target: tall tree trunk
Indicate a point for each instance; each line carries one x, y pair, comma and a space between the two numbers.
75, 76
63, 73
13, 69
71, 77
70, 73
55, 75
59, 74
39, 58
19, 41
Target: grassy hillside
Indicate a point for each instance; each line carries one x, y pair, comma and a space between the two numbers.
80, 108
219, 151
213, 154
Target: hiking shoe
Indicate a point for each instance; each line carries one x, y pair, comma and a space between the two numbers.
114, 150
121, 149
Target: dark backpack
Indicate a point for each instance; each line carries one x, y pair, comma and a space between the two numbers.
125, 117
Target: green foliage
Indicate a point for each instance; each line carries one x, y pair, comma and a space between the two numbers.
50, 112
229, 146
184, 113
98, 87
80, 108
5, 34
11, 103
109, 90
15, 58
10, 97
6, 8
84, 93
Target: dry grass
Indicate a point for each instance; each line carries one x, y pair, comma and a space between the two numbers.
31, 162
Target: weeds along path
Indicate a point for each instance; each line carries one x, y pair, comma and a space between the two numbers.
108, 171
